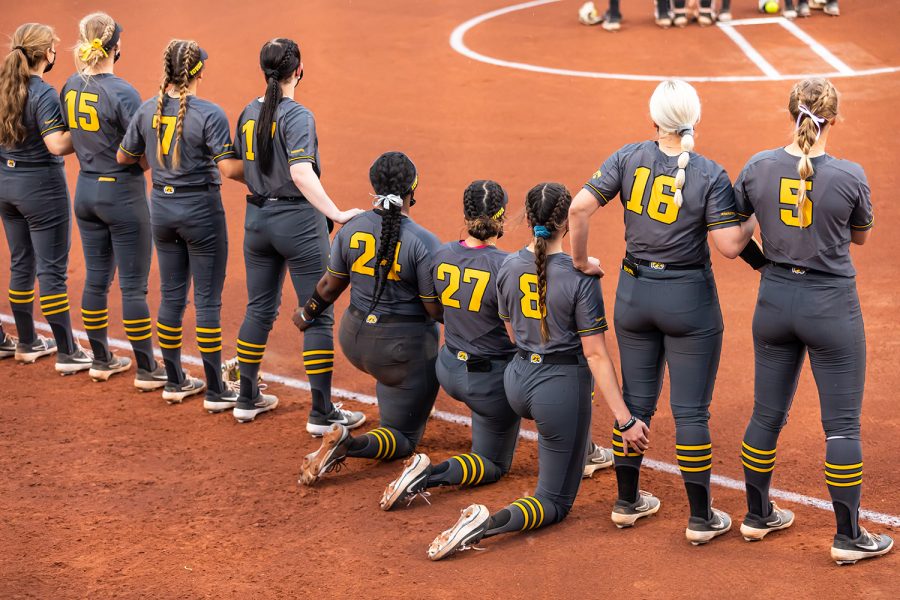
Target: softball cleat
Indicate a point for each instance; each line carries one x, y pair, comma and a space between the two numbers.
148, 381
103, 370
611, 22
756, 528
175, 393
245, 411
700, 531
846, 551
468, 531
318, 426
328, 457
215, 403
598, 458
40, 347
412, 482
69, 364
8, 346
625, 514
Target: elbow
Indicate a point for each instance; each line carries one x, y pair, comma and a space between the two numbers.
731, 252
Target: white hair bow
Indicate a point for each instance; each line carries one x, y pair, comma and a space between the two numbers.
385, 202
803, 110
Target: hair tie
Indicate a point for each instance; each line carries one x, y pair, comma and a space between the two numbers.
21, 49
496, 216
385, 201
803, 110
542, 232
685, 130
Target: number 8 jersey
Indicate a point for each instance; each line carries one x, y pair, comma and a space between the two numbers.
656, 229
409, 281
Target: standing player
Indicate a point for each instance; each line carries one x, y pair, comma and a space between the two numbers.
110, 202
811, 207
667, 309
34, 199
188, 137
8, 344
388, 330
556, 316
285, 226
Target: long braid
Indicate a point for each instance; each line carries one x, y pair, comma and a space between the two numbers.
483, 207
189, 56
547, 205
160, 99
392, 173
278, 59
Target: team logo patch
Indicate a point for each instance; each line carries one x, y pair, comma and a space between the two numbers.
11, 163
372, 319
597, 174
658, 266
168, 189
797, 271
536, 359
463, 356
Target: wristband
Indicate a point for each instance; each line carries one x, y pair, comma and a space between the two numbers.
628, 425
303, 317
753, 255
314, 307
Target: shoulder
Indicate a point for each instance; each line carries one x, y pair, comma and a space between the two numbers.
634, 148
121, 87
444, 250
74, 81
511, 260
294, 108
766, 156
207, 108
422, 235
708, 167
848, 167
38, 88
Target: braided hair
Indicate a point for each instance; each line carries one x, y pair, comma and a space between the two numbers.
813, 104
484, 206
180, 57
547, 208
675, 108
392, 173
278, 59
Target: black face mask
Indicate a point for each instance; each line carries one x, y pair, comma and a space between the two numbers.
117, 56
49, 66
299, 77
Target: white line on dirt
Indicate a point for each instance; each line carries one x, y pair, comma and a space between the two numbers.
720, 480
751, 52
823, 52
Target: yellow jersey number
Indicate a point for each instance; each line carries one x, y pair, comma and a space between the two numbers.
366, 241
661, 206
82, 110
452, 275
168, 131
249, 138
529, 303
787, 196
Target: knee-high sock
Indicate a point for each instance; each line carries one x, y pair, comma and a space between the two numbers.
843, 474
464, 469
693, 450
318, 360
628, 468
758, 458
614, 8
383, 443
169, 334
139, 330
251, 345
55, 309
209, 342
22, 306
95, 317
523, 514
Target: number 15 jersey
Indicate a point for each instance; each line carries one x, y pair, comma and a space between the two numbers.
656, 229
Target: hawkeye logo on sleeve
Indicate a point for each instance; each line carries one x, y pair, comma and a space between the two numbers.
298, 151
597, 174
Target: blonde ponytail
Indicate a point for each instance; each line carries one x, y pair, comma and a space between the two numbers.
675, 108
95, 31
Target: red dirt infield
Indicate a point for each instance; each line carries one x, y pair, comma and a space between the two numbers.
109, 493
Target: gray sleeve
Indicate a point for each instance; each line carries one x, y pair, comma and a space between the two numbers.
238, 137
218, 136
48, 112
743, 206
133, 144
337, 262
606, 182
300, 140
862, 218
127, 104
590, 315
424, 278
721, 211
503, 306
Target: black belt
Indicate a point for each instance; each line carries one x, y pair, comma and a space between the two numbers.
557, 358
170, 190
22, 164
477, 364
658, 266
802, 270
261, 200
372, 318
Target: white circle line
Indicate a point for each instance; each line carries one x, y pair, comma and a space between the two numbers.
457, 42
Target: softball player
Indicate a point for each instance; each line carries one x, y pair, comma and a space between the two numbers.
8, 344
667, 310
110, 202
34, 199
285, 226
811, 207
388, 330
188, 137
555, 313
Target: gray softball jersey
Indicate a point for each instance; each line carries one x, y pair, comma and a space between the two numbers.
574, 303
295, 141
466, 283
839, 201
409, 284
41, 117
206, 141
655, 228
98, 111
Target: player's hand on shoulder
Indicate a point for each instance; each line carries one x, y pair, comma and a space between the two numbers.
345, 215
591, 267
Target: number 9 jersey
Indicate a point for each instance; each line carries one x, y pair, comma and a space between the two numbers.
656, 229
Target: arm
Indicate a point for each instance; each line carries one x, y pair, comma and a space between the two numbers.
59, 143
232, 168
730, 241
309, 185
510, 332
435, 310
328, 290
127, 159
583, 206
859, 237
604, 374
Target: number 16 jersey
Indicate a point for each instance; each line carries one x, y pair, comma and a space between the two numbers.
656, 229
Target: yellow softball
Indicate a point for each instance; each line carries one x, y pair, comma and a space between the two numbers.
771, 7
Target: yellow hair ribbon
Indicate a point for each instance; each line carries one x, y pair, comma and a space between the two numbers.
96, 44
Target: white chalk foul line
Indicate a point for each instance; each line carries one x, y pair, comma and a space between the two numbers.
720, 480
457, 42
